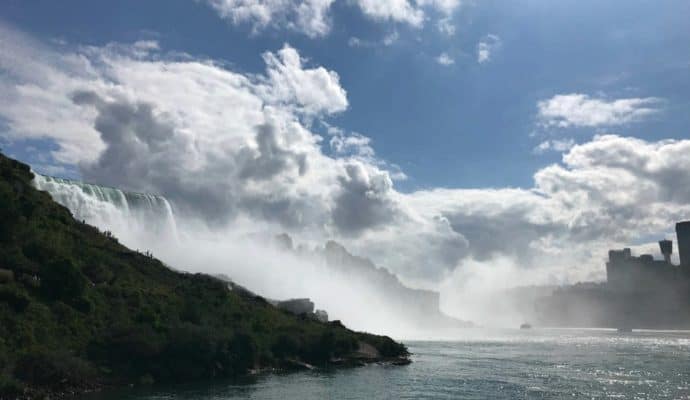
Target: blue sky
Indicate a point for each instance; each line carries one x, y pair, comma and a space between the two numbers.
463, 125
425, 134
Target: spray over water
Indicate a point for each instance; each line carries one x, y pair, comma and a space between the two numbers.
364, 298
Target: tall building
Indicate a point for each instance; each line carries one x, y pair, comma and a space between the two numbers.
666, 247
683, 234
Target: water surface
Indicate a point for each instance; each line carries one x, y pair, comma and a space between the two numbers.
483, 364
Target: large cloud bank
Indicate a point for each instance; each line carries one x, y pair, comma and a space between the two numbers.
226, 146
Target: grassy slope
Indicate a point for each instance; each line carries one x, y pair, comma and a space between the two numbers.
83, 310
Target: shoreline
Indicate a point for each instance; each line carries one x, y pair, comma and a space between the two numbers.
290, 367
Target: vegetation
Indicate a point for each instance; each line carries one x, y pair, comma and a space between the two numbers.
78, 310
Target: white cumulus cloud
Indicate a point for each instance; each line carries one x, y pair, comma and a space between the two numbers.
581, 110
486, 47
446, 26
445, 59
312, 17
558, 145
311, 90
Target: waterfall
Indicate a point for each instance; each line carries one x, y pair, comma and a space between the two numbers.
130, 216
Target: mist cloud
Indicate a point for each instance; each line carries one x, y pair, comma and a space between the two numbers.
225, 146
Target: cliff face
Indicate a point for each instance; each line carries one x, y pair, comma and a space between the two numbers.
417, 305
78, 310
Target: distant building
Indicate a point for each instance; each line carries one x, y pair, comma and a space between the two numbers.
639, 292
625, 272
297, 306
666, 247
321, 315
683, 234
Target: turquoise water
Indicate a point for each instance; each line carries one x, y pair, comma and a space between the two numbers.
531, 364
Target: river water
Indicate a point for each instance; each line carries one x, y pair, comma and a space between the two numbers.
483, 364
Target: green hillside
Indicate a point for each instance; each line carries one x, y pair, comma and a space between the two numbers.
80, 311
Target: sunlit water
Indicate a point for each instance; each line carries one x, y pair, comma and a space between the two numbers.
530, 364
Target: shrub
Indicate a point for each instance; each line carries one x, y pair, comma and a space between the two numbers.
389, 348
319, 348
98, 273
190, 352
285, 346
9, 387
61, 280
345, 345
50, 368
17, 298
8, 212
244, 351
124, 343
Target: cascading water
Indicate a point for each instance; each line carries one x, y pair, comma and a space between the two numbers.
130, 216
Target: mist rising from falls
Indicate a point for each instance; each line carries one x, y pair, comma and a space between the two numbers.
147, 222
